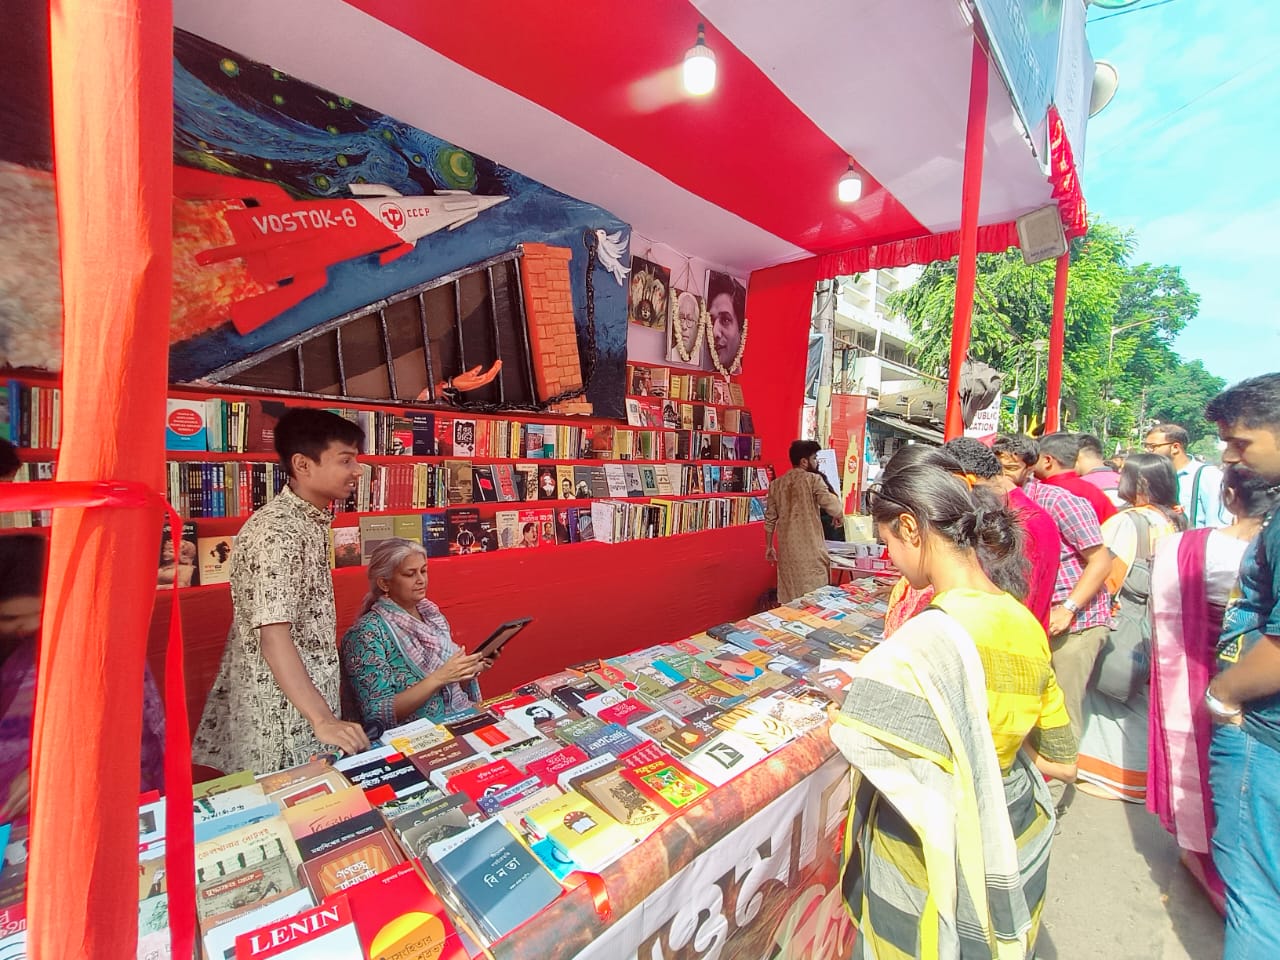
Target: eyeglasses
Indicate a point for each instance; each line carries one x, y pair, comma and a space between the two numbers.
1153, 447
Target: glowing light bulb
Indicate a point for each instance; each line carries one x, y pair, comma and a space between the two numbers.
700, 67
849, 189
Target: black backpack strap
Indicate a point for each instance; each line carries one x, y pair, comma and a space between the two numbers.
1143, 527
1195, 495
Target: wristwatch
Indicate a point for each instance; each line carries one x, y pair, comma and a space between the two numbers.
1220, 709
1071, 606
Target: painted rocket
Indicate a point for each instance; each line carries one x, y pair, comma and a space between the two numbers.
290, 244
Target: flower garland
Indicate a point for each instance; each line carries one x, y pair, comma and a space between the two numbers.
737, 357
673, 322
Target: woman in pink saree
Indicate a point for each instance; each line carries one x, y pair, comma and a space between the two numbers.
1192, 576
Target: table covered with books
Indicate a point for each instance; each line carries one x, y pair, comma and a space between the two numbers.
683, 800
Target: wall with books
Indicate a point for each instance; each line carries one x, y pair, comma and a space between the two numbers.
638, 527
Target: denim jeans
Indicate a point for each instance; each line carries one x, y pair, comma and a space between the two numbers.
1245, 776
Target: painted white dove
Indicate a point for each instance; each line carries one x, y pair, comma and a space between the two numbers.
610, 249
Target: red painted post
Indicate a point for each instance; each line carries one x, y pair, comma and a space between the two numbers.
1057, 338
970, 195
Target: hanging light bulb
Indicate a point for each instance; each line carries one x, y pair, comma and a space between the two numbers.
700, 66
849, 188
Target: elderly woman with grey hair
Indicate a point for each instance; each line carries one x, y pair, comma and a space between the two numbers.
399, 660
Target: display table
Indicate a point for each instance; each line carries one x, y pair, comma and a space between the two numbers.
751, 871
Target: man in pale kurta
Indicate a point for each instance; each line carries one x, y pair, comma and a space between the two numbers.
796, 502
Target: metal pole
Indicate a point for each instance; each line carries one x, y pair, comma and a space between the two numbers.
970, 197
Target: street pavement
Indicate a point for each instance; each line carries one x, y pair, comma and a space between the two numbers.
1117, 890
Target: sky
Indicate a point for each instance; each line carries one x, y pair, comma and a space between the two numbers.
1186, 155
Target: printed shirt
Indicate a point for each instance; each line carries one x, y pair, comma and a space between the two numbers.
1207, 510
1254, 612
279, 574
1071, 482
1079, 529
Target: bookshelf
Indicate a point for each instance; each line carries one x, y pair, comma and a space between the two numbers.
216, 488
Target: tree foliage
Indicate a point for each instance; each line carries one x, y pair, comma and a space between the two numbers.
1121, 320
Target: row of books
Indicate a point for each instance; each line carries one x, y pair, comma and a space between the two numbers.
451, 835
622, 521
674, 415
247, 426
10, 519
31, 416
204, 489
205, 559
645, 380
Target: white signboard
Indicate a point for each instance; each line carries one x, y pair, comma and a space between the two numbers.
986, 422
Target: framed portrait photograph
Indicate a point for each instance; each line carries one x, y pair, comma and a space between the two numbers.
727, 321
686, 332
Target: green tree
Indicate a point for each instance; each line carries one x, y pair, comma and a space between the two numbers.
1179, 395
1121, 319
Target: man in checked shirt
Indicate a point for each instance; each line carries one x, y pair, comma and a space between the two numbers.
1080, 618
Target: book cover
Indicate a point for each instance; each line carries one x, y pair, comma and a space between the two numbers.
324, 811
532, 716
600, 482
220, 938
244, 867
618, 797
582, 483
586, 528
444, 818
723, 757
398, 917
444, 436
533, 443
564, 482
208, 829
402, 437
547, 527
635, 486
407, 526
230, 781
423, 429
345, 542
260, 432
581, 829
322, 933
464, 531
215, 559
486, 780
528, 534
228, 801
185, 569
484, 487
185, 426
506, 525
518, 792
615, 480
614, 739
526, 478
390, 769
435, 533
354, 862
547, 482
488, 534
669, 781
340, 834
635, 414
549, 768
464, 438
459, 481
498, 879
504, 476
566, 525
655, 726
373, 530
626, 712
442, 755
649, 481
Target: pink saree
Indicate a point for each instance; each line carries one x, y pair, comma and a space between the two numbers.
1184, 633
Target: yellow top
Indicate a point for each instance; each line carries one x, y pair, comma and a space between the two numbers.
1023, 696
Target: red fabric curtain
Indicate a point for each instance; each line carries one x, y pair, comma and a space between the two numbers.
113, 134
780, 308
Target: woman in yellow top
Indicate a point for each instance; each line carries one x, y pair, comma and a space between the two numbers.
945, 727
1113, 744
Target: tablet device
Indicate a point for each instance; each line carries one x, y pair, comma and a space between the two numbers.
498, 639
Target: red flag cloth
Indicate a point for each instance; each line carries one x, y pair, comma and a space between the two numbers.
112, 83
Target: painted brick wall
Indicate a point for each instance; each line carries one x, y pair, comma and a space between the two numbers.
553, 338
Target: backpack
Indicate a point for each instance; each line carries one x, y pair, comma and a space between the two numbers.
1123, 667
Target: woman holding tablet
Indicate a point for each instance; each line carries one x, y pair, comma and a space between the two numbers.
399, 660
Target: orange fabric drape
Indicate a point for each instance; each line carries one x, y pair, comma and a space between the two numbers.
113, 133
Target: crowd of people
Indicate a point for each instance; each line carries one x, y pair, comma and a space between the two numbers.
1106, 627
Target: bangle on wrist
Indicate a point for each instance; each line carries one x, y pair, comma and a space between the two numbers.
1220, 709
